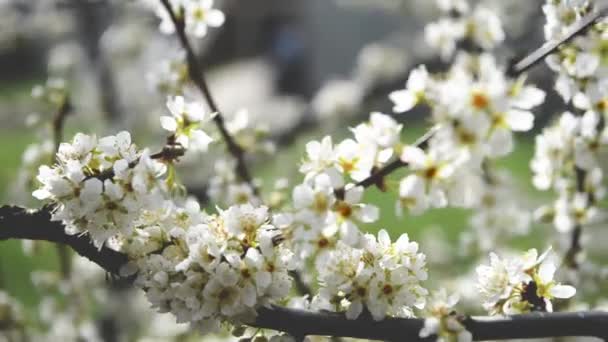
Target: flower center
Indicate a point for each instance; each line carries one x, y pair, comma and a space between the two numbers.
479, 100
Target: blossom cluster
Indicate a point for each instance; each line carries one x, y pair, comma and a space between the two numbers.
476, 109
520, 284
100, 186
580, 63
209, 269
54, 91
328, 206
562, 162
382, 277
226, 187
568, 153
480, 25
170, 76
442, 320
197, 15
498, 215
374, 143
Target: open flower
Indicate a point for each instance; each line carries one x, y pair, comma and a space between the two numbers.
520, 284
414, 92
186, 122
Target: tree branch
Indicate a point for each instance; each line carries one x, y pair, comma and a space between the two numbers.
550, 47
20, 223
27, 224
537, 325
378, 176
514, 70
195, 71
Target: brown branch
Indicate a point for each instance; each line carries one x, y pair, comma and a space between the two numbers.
65, 108
20, 223
301, 286
537, 325
26, 224
196, 73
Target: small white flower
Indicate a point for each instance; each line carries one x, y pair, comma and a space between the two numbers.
200, 15
414, 91
185, 122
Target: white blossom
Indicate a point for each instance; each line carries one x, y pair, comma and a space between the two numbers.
185, 122
381, 276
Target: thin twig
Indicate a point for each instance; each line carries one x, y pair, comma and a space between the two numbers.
65, 108
378, 176
170, 152
301, 286
196, 73
550, 47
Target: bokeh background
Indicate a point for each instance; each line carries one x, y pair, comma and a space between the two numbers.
302, 68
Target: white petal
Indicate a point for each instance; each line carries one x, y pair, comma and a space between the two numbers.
384, 238
168, 123
415, 156
353, 195
529, 97
41, 194
354, 310
404, 100
520, 120
215, 18
563, 291
369, 213
546, 272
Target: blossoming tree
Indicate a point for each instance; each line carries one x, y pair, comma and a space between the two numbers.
289, 267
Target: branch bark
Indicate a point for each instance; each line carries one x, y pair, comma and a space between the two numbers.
377, 177
20, 223
537, 325
27, 224
196, 73
550, 47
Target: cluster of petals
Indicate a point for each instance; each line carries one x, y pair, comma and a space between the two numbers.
100, 186
459, 22
568, 153
215, 268
441, 319
475, 108
320, 219
381, 277
499, 215
563, 161
374, 143
198, 16
520, 284
580, 63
